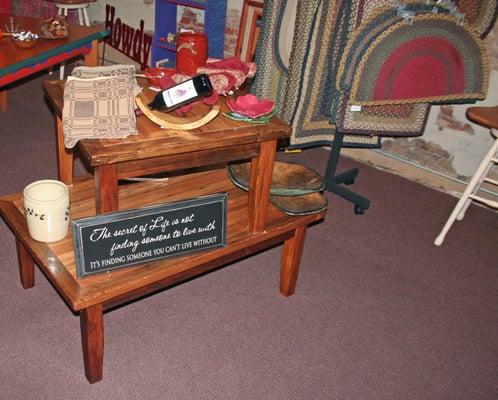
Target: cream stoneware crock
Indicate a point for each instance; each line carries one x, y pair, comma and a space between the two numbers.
46, 206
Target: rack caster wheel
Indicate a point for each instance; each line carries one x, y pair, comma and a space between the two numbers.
359, 210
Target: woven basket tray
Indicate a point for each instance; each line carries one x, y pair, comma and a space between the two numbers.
300, 205
289, 179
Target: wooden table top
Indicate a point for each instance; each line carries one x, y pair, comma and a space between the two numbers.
153, 141
13, 58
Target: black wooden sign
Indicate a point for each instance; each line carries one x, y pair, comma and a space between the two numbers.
115, 240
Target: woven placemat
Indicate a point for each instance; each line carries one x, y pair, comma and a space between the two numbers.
99, 103
300, 205
289, 179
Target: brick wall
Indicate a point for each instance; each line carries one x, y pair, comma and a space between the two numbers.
189, 20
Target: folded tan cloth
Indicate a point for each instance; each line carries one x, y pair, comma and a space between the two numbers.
99, 103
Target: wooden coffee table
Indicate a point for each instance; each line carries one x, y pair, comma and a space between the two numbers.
252, 224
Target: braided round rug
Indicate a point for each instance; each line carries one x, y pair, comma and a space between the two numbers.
433, 59
480, 15
391, 120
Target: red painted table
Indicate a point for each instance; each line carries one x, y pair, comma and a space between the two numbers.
5, 6
17, 63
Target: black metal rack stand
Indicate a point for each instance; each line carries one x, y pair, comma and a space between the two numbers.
335, 182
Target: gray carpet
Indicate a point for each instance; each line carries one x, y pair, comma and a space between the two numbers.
379, 312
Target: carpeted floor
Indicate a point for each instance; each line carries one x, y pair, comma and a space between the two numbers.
379, 312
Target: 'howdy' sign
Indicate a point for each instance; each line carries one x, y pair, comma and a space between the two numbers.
132, 42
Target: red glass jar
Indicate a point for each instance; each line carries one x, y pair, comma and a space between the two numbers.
191, 52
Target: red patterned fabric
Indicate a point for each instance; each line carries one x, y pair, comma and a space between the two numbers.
421, 68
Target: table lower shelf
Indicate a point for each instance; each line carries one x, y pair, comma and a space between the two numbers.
58, 262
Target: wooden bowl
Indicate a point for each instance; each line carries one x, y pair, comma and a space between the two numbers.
25, 44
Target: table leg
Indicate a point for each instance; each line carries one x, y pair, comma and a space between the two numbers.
92, 58
3, 100
65, 157
106, 188
26, 266
92, 339
291, 259
259, 186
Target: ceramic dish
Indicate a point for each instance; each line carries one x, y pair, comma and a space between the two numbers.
250, 106
25, 40
264, 119
25, 44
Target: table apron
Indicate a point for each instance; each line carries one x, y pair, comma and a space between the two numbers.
189, 160
54, 60
198, 270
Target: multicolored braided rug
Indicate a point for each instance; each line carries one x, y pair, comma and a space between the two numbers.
319, 34
408, 120
354, 63
480, 15
272, 74
433, 59
385, 120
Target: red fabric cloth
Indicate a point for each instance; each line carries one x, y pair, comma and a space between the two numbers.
229, 63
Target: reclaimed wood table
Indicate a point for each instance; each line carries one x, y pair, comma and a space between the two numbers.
17, 63
252, 223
